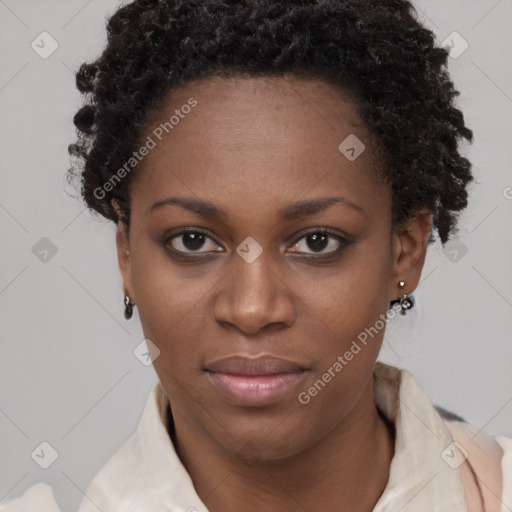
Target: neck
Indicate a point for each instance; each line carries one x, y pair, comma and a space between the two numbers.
346, 470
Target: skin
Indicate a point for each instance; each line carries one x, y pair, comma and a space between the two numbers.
251, 147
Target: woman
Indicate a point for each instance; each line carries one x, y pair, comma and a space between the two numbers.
277, 171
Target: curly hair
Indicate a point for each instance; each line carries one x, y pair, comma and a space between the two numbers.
376, 49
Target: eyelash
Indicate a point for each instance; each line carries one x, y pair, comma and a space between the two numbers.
190, 256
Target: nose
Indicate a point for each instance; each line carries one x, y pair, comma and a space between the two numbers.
253, 296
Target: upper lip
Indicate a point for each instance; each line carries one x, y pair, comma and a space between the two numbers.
263, 365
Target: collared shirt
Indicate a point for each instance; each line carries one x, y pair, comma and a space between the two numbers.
146, 474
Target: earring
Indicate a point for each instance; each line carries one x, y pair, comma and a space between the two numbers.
128, 307
406, 301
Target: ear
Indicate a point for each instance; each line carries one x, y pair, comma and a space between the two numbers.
123, 252
410, 240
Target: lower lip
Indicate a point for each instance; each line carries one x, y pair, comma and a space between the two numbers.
255, 390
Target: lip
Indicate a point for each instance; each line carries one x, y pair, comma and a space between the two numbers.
258, 366
254, 381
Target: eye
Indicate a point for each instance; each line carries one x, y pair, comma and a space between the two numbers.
320, 240
191, 241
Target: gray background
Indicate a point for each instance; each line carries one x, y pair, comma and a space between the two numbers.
68, 373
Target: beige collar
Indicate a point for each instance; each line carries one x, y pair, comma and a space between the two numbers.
147, 474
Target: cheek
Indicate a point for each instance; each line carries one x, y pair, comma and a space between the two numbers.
352, 296
165, 292
347, 326
350, 309
171, 308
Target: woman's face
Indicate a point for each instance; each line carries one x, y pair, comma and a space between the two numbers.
255, 167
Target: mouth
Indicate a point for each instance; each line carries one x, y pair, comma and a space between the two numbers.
254, 382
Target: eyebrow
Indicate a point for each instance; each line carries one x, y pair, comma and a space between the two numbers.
288, 213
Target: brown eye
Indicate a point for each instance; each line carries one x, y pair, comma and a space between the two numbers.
318, 241
191, 241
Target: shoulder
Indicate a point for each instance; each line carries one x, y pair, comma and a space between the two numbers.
115, 485
37, 497
506, 466
485, 466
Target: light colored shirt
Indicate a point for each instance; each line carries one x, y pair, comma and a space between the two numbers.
145, 473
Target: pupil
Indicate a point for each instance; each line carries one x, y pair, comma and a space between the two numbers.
193, 241
319, 242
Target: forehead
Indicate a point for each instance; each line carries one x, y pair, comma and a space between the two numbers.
254, 137
252, 99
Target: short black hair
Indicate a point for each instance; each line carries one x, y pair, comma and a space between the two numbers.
376, 49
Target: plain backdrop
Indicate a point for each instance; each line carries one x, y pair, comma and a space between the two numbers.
68, 372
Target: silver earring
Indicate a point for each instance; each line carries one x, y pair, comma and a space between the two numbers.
406, 301
128, 307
